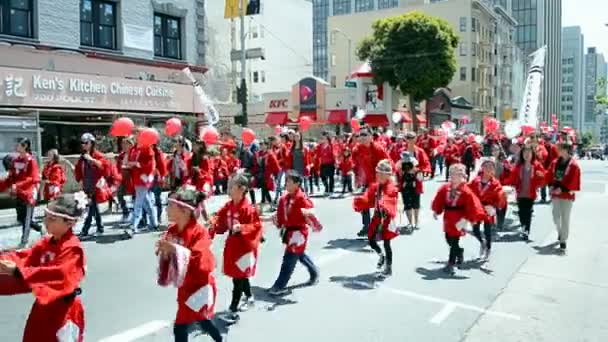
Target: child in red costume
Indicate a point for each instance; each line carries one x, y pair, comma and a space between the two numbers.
460, 207
489, 192
346, 170
53, 176
240, 220
51, 270
382, 197
186, 261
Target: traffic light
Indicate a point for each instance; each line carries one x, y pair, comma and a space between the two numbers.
253, 7
241, 94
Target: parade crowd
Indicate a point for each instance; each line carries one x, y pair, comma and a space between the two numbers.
379, 169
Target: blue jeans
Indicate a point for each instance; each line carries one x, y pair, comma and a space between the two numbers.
288, 266
279, 186
157, 191
93, 212
143, 202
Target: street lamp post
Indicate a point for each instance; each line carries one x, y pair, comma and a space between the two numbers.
350, 49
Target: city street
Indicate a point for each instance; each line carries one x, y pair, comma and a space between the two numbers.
526, 293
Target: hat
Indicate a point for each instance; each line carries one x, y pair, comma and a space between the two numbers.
187, 197
87, 137
410, 135
408, 157
68, 206
488, 160
384, 167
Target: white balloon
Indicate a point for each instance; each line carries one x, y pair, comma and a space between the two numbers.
478, 139
512, 129
396, 117
360, 114
389, 133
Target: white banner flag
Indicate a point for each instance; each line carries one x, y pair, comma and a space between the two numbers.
531, 100
211, 113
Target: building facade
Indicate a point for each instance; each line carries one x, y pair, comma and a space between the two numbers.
595, 85
283, 29
573, 77
485, 57
75, 65
539, 24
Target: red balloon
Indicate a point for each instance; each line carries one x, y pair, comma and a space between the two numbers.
354, 124
248, 136
277, 130
305, 123
122, 127
173, 127
491, 125
567, 129
147, 137
210, 135
527, 129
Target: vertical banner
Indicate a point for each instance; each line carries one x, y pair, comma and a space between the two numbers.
531, 100
231, 9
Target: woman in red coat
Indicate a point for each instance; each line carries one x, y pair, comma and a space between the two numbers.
180, 165
451, 155
241, 221
53, 176
126, 182
51, 270
489, 192
564, 179
266, 168
187, 262
527, 177
23, 182
382, 197
460, 207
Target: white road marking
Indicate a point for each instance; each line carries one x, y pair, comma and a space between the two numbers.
432, 299
444, 313
138, 332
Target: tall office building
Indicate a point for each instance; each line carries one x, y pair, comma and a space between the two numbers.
539, 24
573, 77
595, 70
322, 9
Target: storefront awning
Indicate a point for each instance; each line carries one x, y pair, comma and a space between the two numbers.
276, 118
405, 116
376, 120
310, 114
421, 118
337, 116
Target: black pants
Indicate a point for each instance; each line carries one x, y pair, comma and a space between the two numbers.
487, 234
266, 196
327, 176
447, 171
25, 216
500, 217
526, 208
469, 168
388, 251
347, 183
240, 287
93, 212
455, 251
543, 193
180, 331
252, 195
221, 186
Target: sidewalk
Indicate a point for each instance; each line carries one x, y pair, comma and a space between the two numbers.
559, 298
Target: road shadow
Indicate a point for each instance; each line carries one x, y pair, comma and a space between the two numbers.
353, 245
509, 237
105, 239
437, 273
273, 302
405, 230
475, 264
549, 249
366, 281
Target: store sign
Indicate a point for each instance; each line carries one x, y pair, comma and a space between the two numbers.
52, 89
278, 104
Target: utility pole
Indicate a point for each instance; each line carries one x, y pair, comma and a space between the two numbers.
243, 87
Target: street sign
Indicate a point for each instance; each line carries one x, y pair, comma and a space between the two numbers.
350, 84
256, 53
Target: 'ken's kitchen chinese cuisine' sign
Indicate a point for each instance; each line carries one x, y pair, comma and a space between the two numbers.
33, 88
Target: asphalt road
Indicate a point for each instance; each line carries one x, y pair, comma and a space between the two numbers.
418, 303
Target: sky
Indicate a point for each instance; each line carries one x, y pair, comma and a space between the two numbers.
591, 16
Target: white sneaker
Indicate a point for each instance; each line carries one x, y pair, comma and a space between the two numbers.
487, 256
482, 252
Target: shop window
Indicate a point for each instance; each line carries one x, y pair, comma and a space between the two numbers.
98, 24
167, 36
463, 24
16, 18
463, 73
256, 77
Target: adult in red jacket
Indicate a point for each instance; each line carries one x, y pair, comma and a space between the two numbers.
527, 177
325, 153
542, 155
126, 182
91, 170
428, 145
460, 207
142, 171
266, 168
366, 156
424, 165
489, 192
564, 179
23, 182
160, 175
451, 155
53, 176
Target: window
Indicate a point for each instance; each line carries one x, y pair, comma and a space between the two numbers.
473, 25
342, 7
167, 36
473, 74
256, 77
474, 49
333, 60
463, 49
254, 32
98, 24
16, 18
463, 24
463, 73
319, 33
382, 4
333, 81
263, 76
364, 5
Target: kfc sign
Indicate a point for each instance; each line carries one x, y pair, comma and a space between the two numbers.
278, 104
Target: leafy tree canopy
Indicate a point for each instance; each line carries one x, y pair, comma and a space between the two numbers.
413, 52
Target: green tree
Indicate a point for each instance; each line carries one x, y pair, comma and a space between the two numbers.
413, 52
586, 140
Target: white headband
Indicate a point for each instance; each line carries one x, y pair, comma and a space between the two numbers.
182, 204
54, 213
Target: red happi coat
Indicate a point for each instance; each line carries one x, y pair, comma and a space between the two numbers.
102, 190
308, 161
346, 165
491, 196
428, 144
418, 183
383, 199
24, 177
125, 171
160, 160
52, 272
202, 176
571, 179
542, 155
291, 217
196, 295
184, 166
232, 163
458, 211
424, 165
241, 249
271, 167
366, 158
283, 154
395, 151
54, 179
536, 181
451, 153
143, 173
220, 169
